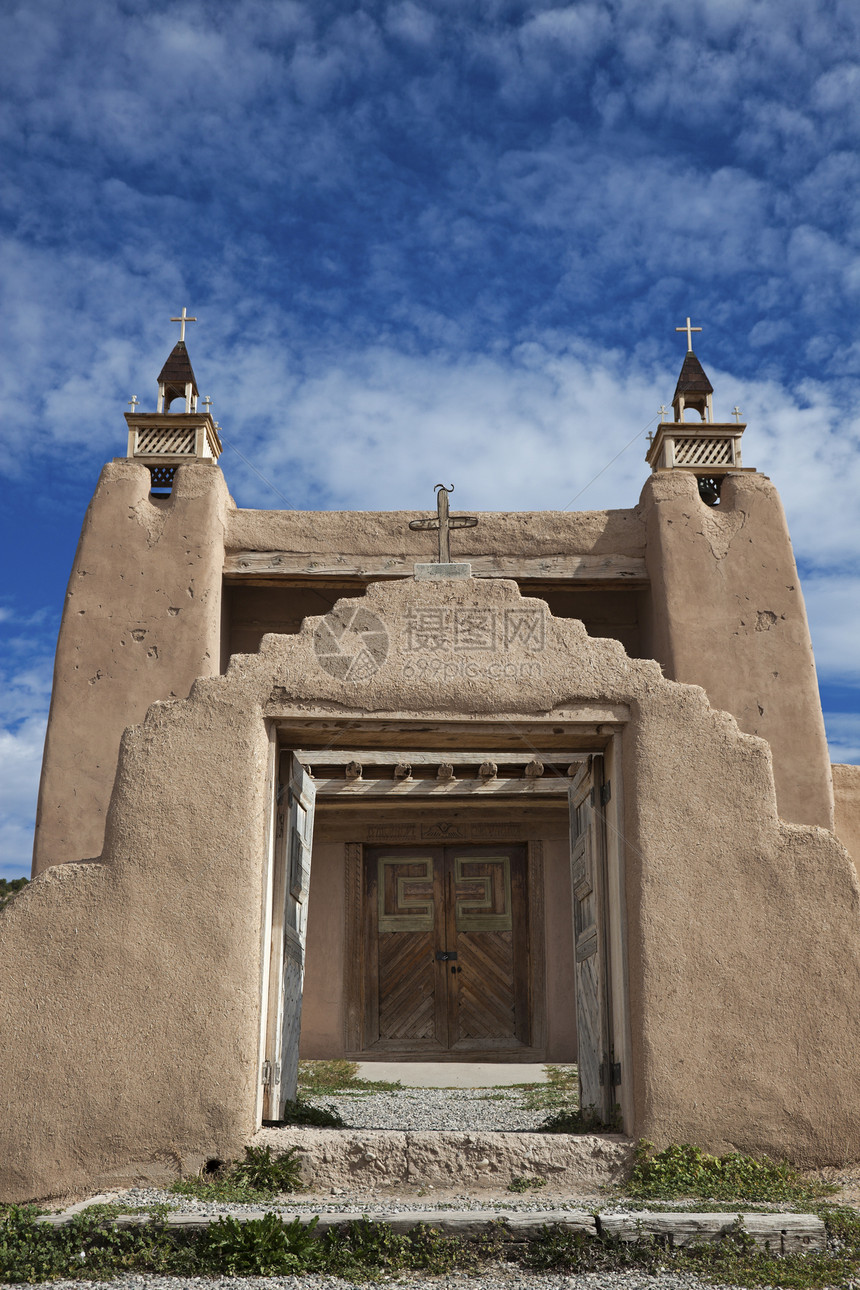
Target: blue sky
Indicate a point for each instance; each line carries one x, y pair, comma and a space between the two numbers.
425, 240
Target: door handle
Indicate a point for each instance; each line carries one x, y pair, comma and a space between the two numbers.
456, 969
445, 956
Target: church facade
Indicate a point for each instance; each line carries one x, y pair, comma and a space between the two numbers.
314, 783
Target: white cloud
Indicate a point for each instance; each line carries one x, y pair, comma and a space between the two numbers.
843, 737
20, 763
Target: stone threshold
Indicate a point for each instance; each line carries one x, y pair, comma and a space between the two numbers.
777, 1233
374, 1161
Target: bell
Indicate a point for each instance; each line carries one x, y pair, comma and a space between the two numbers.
709, 491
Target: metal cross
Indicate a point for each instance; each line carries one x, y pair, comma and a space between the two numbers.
737, 412
133, 402
444, 523
689, 330
184, 318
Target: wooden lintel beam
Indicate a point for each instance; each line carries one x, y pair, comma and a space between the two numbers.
247, 566
396, 756
545, 786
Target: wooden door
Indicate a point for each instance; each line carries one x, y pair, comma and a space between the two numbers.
587, 868
446, 950
292, 871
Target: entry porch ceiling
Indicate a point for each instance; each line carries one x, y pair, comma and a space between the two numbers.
584, 730
396, 773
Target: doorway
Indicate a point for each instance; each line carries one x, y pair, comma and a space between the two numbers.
446, 954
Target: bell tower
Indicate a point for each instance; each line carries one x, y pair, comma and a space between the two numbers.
163, 440
708, 449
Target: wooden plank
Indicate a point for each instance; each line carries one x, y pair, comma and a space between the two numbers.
247, 566
547, 786
779, 1233
398, 756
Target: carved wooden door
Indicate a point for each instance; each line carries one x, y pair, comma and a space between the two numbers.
587, 867
292, 871
446, 950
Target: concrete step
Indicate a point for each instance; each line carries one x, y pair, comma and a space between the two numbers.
374, 1159
778, 1233
455, 1074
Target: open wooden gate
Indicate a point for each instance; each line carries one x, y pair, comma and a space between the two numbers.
292, 871
597, 1073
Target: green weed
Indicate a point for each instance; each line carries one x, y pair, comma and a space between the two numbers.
683, 1170
520, 1182
259, 1176
319, 1117
560, 1092
580, 1120
364, 1250
339, 1077
263, 1247
92, 1247
732, 1261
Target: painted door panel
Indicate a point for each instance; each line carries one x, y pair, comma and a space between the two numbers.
446, 949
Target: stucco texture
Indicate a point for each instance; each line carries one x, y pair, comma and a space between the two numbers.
141, 620
503, 533
131, 1010
728, 614
846, 794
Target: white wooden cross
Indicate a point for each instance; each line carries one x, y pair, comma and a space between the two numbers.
133, 402
688, 329
207, 402
662, 411
736, 410
184, 318
444, 523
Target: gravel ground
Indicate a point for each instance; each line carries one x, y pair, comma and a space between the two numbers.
356, 1203
497, 1278
490, 1110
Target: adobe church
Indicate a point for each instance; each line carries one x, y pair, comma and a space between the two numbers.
534, 786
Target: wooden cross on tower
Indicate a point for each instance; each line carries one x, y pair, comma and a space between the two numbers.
182, 320
689, 330
444, 523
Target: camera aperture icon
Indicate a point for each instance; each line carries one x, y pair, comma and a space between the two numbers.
351, 643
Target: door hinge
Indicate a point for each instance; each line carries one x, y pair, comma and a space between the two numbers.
267, 1074
609, 1072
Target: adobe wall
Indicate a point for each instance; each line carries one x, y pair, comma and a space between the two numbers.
846, 793
142, 616
502, 533
727, 613
131, 987
142, 619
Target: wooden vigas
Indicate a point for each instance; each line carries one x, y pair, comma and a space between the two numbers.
446, 950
